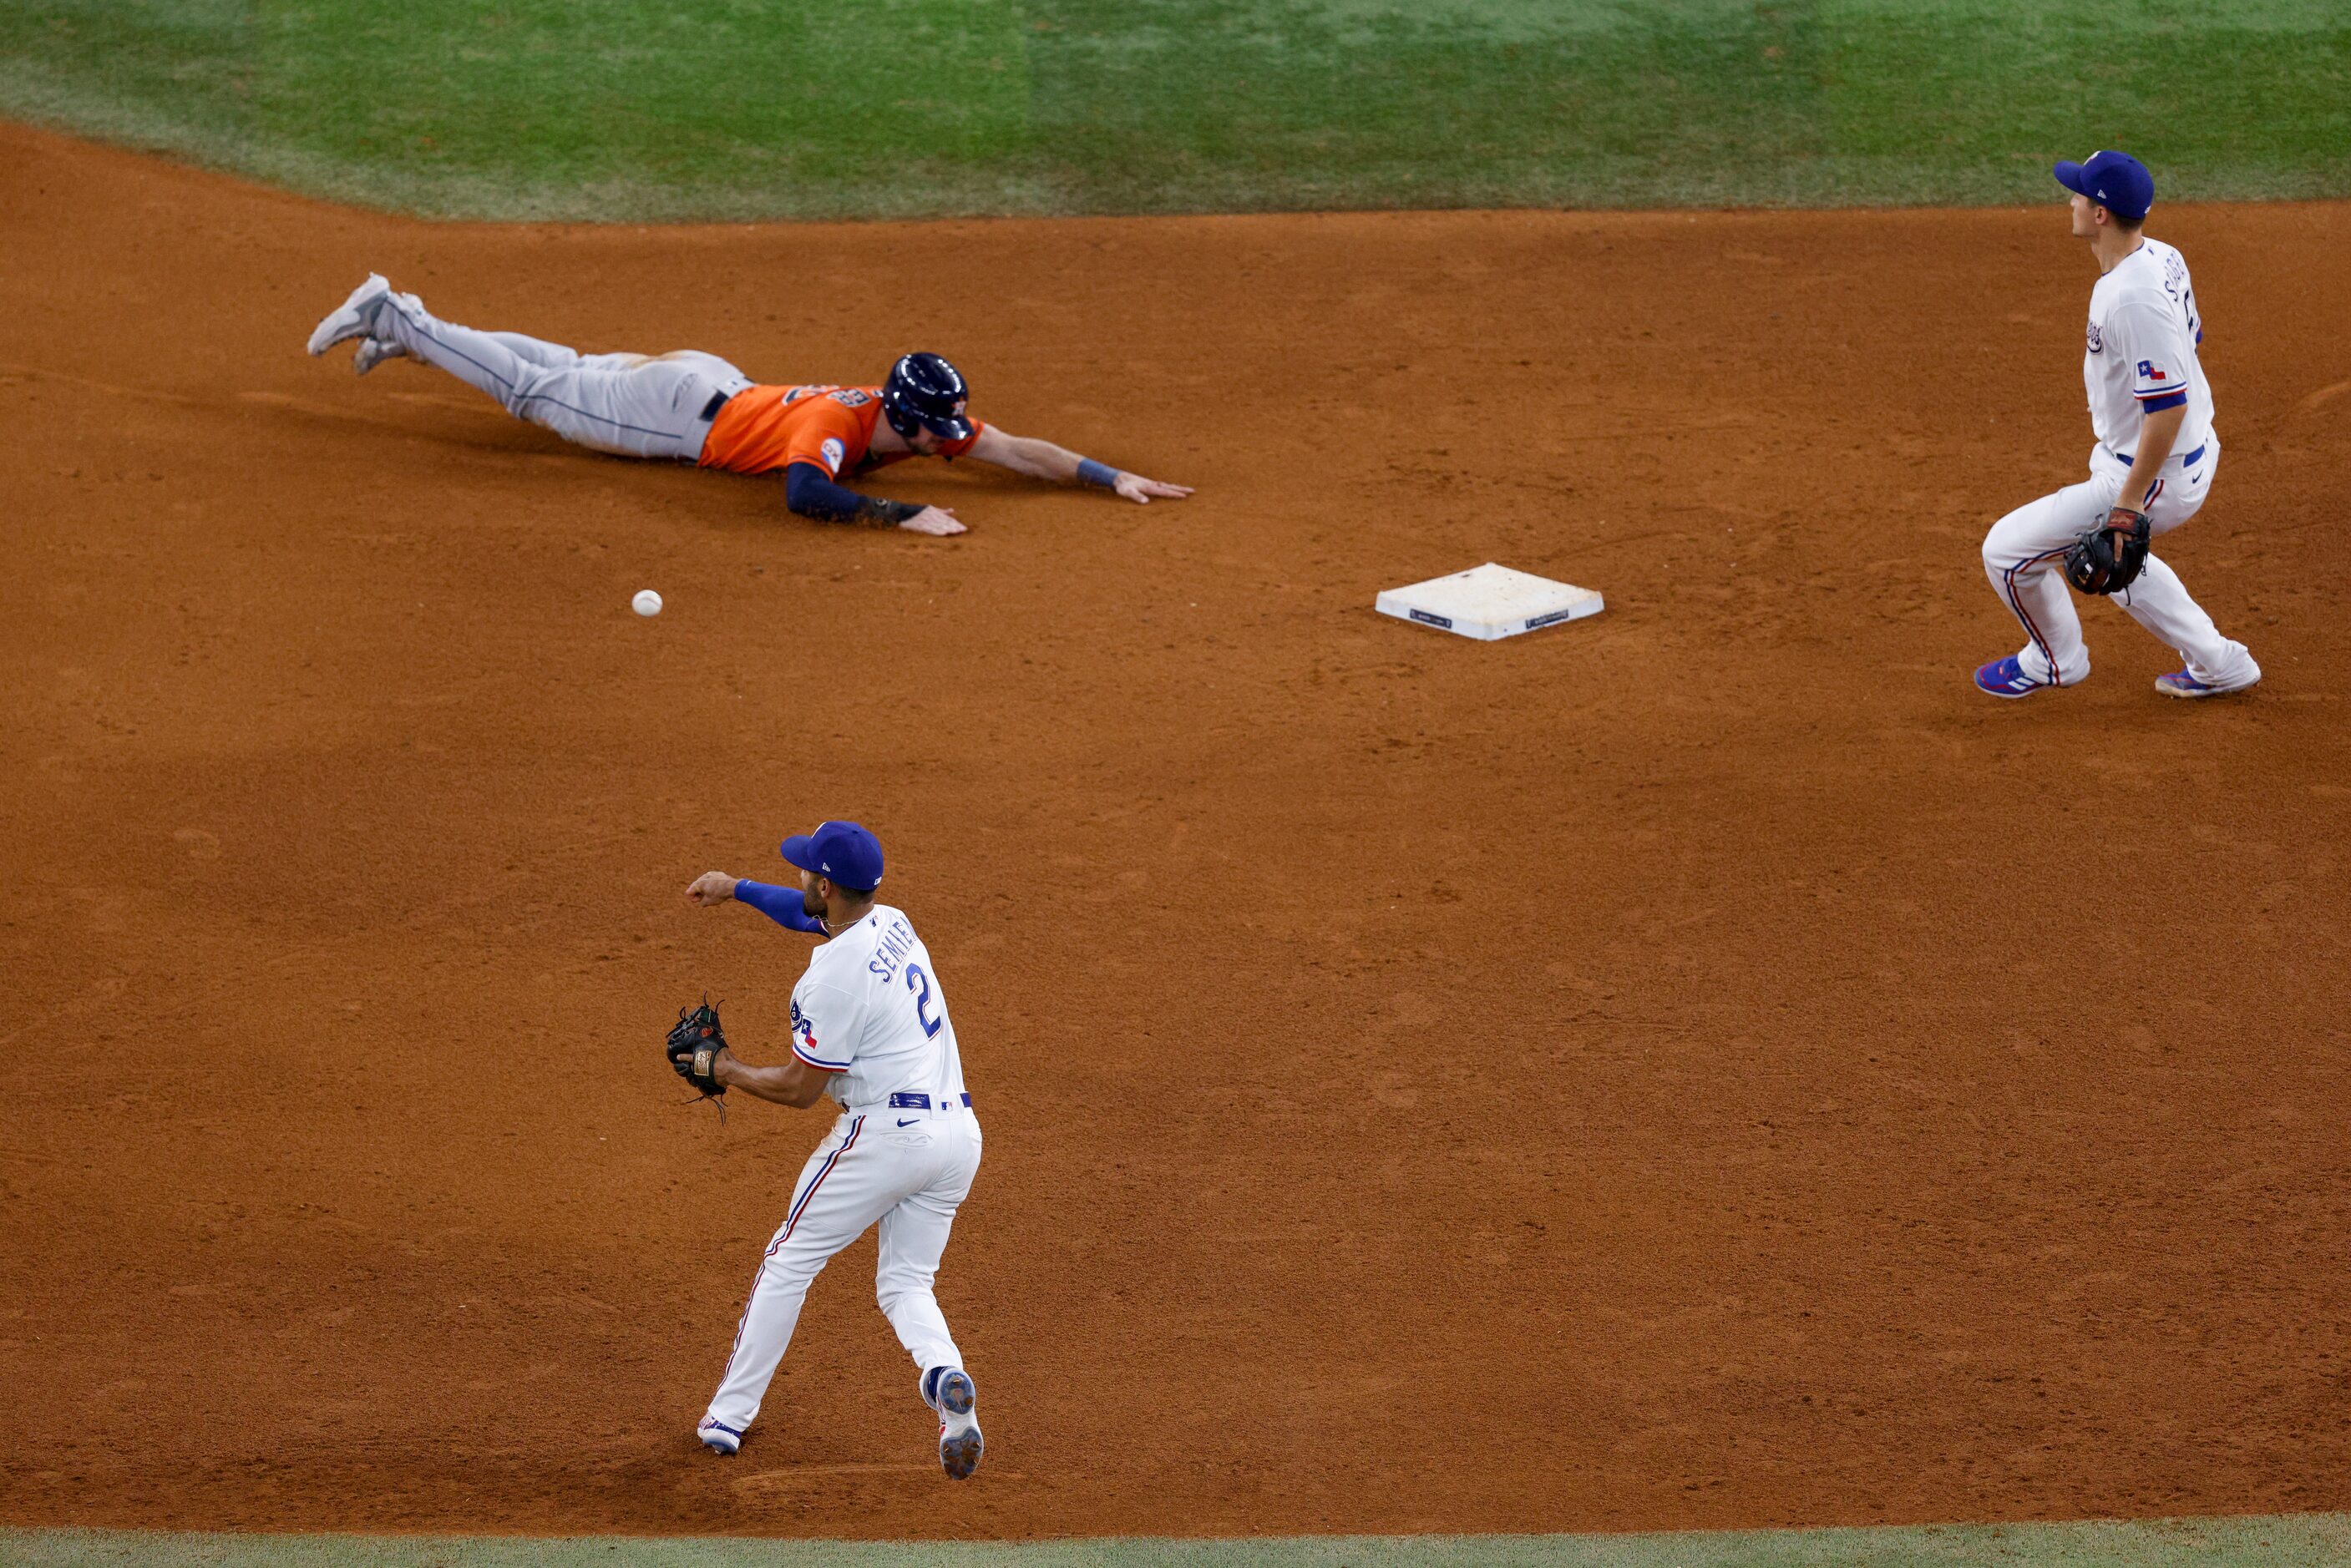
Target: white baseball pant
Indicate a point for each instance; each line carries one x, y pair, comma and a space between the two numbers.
631, 405
907, 1169
2024, 556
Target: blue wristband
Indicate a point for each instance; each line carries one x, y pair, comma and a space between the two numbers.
1093, 472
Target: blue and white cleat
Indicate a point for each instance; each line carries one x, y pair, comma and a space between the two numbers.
353, 318
2006, 679
719, 1437
948, 1390
2180, 683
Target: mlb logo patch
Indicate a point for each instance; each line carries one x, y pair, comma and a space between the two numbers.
2148, 372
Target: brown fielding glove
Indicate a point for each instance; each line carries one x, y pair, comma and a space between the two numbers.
694, 1045
2108, 558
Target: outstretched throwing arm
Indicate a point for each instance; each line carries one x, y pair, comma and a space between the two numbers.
1042, 460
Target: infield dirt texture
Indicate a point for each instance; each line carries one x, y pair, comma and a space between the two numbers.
1706, 1067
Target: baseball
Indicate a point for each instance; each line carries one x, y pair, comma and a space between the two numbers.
647, 602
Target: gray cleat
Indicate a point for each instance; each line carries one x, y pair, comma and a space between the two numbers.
354, 316
374, 351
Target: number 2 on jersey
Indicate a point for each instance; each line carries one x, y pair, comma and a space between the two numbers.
920, 983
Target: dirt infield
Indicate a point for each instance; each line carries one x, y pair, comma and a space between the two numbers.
1702, 1066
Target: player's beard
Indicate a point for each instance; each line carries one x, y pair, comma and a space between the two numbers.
810, 905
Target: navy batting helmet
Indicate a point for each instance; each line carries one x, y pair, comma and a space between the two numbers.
926, 392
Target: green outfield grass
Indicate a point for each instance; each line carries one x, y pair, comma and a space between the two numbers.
2308, 1541
736, 108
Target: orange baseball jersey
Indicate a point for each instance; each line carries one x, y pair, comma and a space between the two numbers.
764, 430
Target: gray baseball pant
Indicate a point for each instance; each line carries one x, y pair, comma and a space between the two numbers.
631, 405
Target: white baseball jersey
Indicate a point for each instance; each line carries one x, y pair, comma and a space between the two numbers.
903, 1155
871, 1012
2143, 334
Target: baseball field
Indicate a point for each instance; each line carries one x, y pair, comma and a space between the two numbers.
1701, 1085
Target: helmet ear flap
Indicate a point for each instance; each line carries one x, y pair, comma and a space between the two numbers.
893, 408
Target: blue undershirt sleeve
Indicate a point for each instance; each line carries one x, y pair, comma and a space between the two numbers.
811, 492
781, 905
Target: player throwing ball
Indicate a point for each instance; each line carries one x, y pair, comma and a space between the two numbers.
871, 1030
696, 408
2150, 472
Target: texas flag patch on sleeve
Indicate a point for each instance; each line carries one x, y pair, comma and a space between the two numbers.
2155, 382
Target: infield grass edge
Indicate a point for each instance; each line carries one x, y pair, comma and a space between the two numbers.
2289, 1541
625, 111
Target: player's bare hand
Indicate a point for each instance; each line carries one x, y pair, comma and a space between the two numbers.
711, 887
1140, 491
934, 519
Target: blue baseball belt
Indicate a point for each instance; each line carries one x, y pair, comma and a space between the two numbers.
2190, 460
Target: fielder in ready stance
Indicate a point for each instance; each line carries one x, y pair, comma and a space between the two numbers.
696, 408
870, 1028
2149, 472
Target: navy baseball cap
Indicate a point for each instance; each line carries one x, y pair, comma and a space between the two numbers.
2116, 180
842, 851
